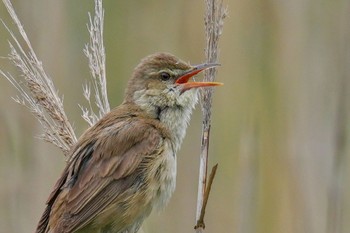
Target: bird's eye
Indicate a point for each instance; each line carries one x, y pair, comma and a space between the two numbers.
165, 76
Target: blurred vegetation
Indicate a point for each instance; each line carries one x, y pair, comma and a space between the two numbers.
280, 129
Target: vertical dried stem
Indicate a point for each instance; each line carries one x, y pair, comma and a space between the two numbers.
214, 20
200, 222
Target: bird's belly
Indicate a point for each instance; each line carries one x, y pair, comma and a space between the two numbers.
155, 192
164, 177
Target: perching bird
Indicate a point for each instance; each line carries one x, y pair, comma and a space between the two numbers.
125, 165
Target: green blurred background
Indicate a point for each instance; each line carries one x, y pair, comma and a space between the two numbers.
280, 124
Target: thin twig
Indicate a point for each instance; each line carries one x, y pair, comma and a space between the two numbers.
200, 221
214, 21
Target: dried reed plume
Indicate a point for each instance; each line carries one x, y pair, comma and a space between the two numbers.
95, 52
36, 89
214, 21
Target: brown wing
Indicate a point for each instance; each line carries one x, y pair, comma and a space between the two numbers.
93, 179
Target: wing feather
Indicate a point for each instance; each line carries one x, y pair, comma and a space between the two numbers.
102, 168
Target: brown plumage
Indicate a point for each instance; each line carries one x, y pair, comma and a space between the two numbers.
125, 165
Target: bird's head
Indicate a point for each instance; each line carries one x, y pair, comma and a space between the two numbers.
162, 80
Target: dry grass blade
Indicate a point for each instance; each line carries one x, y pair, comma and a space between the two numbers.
95, 52
37, 90
214, 21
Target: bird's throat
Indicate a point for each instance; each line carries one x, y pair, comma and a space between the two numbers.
175, 115
176, 121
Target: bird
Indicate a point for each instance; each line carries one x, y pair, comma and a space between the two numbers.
124, 166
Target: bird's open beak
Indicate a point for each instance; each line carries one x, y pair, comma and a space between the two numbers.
183, 80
